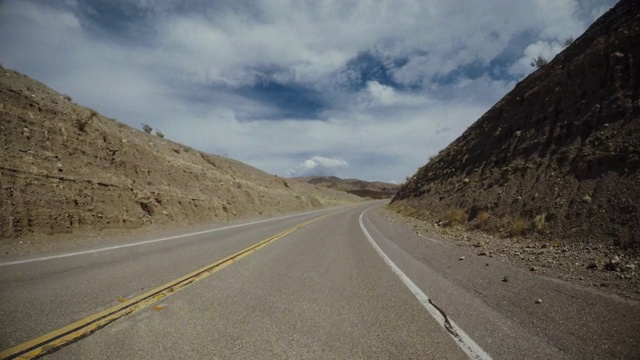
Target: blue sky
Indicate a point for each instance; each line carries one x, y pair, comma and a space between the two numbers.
365, 89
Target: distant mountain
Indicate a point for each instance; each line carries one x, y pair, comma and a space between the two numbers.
66, 169
558, 156
370, 189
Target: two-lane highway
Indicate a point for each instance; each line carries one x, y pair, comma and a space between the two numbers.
318, 291
338, 283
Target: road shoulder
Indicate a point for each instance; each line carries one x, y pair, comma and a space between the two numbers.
507, 309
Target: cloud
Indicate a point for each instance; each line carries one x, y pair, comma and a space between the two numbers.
318, 166
381, 94
380, 85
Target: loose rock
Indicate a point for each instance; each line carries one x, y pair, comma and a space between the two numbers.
629, 267
613, 264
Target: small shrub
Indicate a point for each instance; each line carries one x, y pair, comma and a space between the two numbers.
539, 222
518, 228
454, 217
568, 41
83, 118
159, 134
539, 62
81, 124
482, 217
67, 97
148, 129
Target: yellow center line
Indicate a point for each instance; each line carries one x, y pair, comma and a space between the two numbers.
66, 335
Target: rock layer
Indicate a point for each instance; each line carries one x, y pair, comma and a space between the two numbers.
559, 155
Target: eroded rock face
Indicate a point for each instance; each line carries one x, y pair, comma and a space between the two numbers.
561, 151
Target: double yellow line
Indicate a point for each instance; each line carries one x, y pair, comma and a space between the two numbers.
66, 335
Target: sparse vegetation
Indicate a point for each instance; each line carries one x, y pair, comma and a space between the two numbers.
480, 220
518, 228
411, 211
81, 124
539, 222
159, 134
482, 217
147, 128
454, 217
568, 41
67, 97
83, 118
539, 62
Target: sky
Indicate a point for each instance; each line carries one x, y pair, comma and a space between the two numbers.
366, 89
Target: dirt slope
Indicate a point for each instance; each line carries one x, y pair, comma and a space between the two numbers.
67, 169
558, 157
370, 189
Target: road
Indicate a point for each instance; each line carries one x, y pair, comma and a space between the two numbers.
341, 283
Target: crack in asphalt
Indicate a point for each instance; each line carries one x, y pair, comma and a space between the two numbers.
466, 343
447, 323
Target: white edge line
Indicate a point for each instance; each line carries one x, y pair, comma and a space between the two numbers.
473, 350
115, 247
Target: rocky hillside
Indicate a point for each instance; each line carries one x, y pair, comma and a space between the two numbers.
67, 169
558, 156
368, 189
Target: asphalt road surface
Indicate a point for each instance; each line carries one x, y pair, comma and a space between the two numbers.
341, 283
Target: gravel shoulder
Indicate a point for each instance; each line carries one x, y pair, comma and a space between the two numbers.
503, 305
606, 268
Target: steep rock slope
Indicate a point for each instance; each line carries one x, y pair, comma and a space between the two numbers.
559, 155
67, 169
